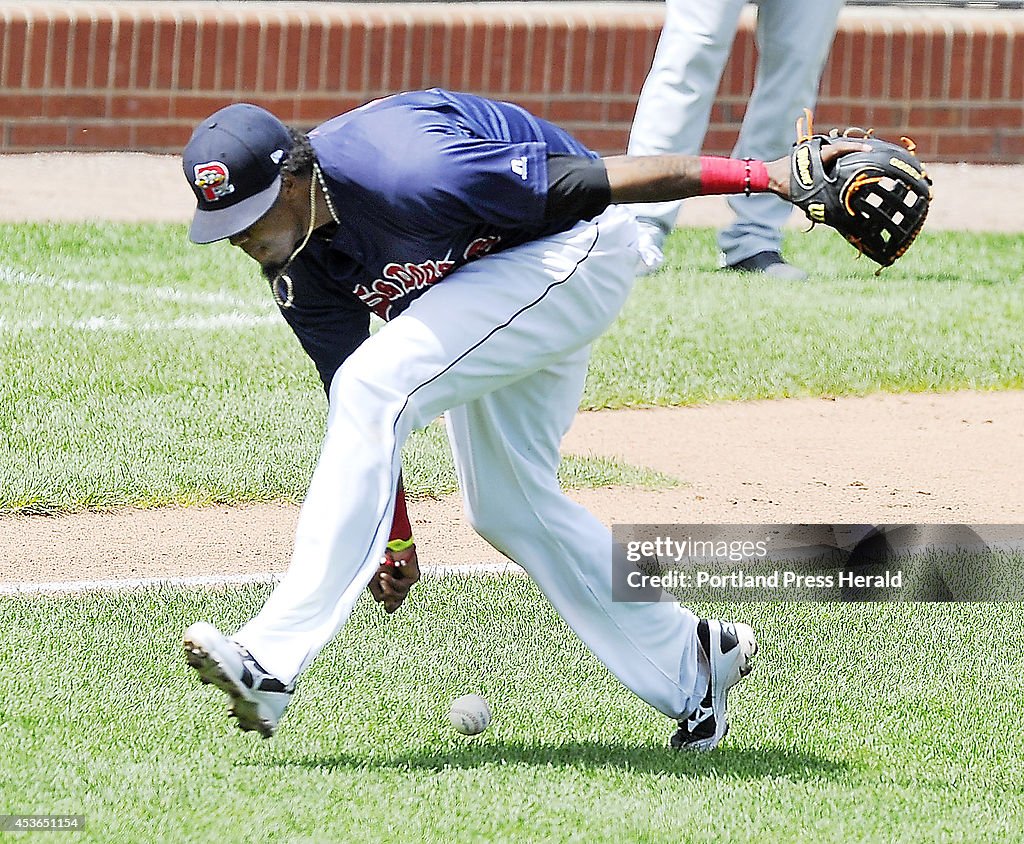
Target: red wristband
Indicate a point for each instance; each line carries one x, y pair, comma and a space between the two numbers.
400, 527
720, 175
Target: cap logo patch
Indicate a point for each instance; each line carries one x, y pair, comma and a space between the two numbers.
213, 179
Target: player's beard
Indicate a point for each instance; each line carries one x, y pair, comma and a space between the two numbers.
274, 269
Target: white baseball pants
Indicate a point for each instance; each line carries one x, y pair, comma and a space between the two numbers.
672, 115
501, 345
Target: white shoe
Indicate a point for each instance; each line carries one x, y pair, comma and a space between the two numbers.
258, 699
728, 649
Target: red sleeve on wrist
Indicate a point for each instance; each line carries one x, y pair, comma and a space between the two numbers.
758, 176
400, 527
720, 175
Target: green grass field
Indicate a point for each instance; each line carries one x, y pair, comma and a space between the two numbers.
135, 369
888, 723
138, 369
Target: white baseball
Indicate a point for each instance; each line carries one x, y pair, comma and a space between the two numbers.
470, 714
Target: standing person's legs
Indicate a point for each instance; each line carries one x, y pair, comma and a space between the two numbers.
793, 40
488, 325
506, 453
675, 103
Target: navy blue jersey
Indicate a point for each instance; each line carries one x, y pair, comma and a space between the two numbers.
423, 182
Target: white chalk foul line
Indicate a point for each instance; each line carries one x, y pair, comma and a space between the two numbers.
75, 586
12, 276
114, 324
240, 316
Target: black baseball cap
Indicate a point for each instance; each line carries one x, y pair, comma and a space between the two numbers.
232, 163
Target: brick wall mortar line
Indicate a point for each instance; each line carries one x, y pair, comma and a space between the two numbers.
26, 59
259, 83
236, 63
588, 53
1007, 60
389, 59
282, 49
545, 88
115, 36
467, 51
201, 56
302, 79
364, 70
261, 42
968, 59
379, 83
219, 48
529, 33
506, 35
407, 51
904, 97
154, 56
176, 58
609, 75
844, 69
507, 54
346, 39
445, 61
428, 51
487, 67
569, 59
926, 65
223, 50
943, 41
136, 51
321, 55
71, 48
90, 71
635, 15
986, 63
5, 55
947, 60
887, 34
48, 51
869, 53
185, 79
282, 62
133, 50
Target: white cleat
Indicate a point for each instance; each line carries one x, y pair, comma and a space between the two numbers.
258, 699
728, 648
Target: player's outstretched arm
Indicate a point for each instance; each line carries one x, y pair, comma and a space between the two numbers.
400, 569
663, 178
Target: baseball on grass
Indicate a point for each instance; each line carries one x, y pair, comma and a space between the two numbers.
470, 714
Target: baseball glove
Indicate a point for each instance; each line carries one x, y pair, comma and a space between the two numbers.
877, 200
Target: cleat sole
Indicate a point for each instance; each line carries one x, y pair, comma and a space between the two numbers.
243, 710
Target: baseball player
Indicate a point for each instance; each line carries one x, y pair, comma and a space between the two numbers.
793, 38
495, 247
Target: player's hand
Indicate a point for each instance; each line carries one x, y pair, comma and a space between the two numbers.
394, 578
779, 170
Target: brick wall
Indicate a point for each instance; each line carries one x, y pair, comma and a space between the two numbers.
134, 75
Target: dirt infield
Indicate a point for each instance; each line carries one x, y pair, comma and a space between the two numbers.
136, 187
907, 458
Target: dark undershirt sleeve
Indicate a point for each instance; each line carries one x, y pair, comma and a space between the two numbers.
577, 187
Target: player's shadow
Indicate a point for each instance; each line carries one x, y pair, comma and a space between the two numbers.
738, 763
